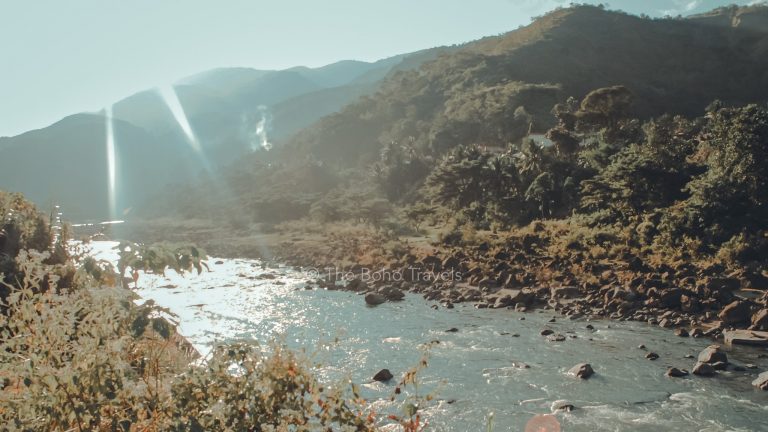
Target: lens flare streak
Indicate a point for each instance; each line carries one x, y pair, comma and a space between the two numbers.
168, 93
111, 164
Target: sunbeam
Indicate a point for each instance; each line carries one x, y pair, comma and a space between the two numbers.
111, 164
168, 93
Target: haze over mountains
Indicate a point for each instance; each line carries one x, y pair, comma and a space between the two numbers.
66, 162
491, 92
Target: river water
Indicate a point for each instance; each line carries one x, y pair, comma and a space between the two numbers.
474, 372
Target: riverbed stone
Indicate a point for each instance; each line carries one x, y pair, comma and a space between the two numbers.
373, 299
391, 293
712, 354
703, 369
736, 312
564, 292
760, 320
557, 337
582, 370
674, 372
383, 375
761, 381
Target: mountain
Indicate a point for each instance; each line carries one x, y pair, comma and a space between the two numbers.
494, 90
225, 109
75, 170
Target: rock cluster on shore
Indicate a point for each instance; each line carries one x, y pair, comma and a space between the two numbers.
694, 301
697, 301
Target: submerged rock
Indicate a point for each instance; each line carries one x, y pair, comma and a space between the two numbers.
582, 370
383, 375
563, 406
652, 356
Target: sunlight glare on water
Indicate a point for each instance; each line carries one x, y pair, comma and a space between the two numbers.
495, 366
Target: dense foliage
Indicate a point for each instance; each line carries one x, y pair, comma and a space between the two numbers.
77, 353
517, 128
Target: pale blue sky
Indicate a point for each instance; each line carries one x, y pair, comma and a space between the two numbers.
61, 57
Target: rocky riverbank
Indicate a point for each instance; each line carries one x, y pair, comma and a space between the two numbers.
533, 268
517, 273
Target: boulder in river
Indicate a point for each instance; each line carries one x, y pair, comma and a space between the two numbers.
383, 375
373, 299
681, 332
652, 356
712, 354
557, 337
761, 381
546, 332
704, 370
674, 372
582, 370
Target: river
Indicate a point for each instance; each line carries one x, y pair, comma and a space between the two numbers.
474, 372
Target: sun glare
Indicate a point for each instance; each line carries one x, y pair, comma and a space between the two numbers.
168, 93
111, 164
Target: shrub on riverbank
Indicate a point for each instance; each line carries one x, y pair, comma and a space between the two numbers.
79, 354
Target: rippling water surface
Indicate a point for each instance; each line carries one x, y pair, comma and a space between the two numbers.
475, 371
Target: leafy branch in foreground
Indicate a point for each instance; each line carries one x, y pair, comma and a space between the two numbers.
158, 257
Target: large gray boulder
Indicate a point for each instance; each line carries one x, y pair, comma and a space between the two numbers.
712, 354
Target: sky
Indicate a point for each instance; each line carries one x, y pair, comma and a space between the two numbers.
62, 57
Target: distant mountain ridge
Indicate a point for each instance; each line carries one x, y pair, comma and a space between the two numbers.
223, 106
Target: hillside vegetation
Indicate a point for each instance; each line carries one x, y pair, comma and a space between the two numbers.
600, 149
